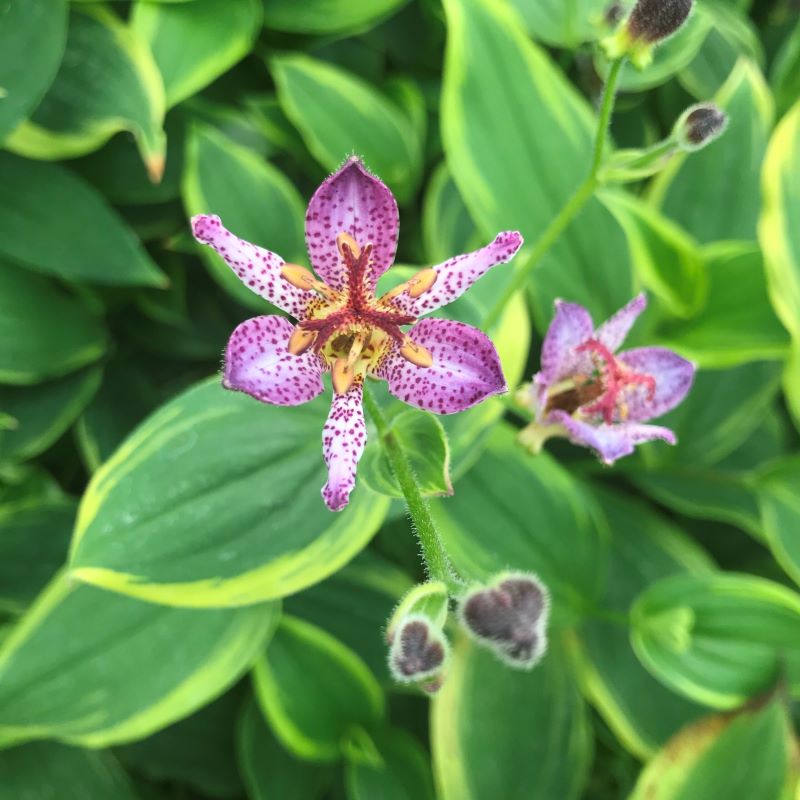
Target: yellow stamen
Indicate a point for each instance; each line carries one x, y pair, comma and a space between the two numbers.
346, 239
343, 376
359, 340
422, 281
305, 279
416, 354
623, 411
299, 276
300, 341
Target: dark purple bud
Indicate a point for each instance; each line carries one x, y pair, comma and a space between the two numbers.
653, 21
418, 652
699, 125
613, 14
510, 617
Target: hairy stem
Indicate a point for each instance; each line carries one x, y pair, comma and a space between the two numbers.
570, 210
437, 563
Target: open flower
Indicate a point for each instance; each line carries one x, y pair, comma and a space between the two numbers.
596, 397
351, 232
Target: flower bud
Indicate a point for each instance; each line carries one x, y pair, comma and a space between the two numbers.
652, 21
418, 653
510, 617
698, 126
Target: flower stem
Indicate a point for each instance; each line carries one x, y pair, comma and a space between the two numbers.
570, 210
437, 563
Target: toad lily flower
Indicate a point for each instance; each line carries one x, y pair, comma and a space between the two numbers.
351, 232
599, 399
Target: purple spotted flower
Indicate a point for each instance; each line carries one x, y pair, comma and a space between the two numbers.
342, 327
597, 397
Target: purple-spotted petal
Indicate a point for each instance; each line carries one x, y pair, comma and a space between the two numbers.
673, 376
352, 201
343, 440
258, 269
258, 363
455, 276
610, 442
613, 331
571, 326
465, 368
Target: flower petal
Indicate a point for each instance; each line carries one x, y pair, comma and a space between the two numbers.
352, 201
465, 368
343, 440
455, 276
258, 363
610, 442
674, 376
613, 331
571, 326
258, 269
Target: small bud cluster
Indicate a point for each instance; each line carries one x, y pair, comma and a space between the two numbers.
510, 617
418, 648
698, 126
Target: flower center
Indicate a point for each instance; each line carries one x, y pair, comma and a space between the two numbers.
350, 327
604, 392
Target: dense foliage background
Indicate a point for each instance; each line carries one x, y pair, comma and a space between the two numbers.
180, 616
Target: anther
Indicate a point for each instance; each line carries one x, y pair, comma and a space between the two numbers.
298, 276
301, 340
422, 281
346, 239
359, 340
343, 376
416, 354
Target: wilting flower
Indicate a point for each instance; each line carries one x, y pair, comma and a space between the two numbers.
351, 232
596, 397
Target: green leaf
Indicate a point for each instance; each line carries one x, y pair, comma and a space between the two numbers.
738, 325
447, 227
732, 36
785, 76
269, 771
666, 260
318, 696
743, 755
403, 774
34, 540
108, 82
354, 605
199, 751
562, 24
643, 548
54, 222
780, 239
669, 58
778, 489
44, 332
506, 511
714, 194
194, 43
32, 38
498, 732
337, 114
423, 438
79, 666
48, 770
719, 639
44, 412
252, 197
214, 501
508, 114
327, 16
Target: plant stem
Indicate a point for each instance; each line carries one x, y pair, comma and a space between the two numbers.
437, 563
570, 210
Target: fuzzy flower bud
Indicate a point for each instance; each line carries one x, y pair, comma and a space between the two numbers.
698, 126
418, 649
650, 22
653, 21
510, 617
